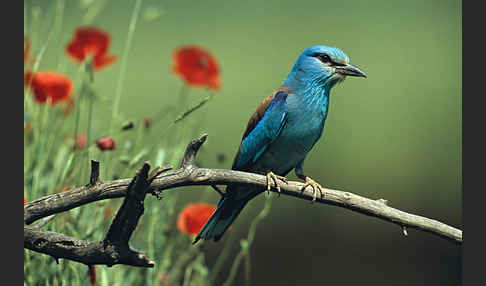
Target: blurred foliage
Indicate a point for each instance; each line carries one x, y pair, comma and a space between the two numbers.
395, 135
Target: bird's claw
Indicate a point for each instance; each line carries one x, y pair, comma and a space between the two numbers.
275, 178
315, 186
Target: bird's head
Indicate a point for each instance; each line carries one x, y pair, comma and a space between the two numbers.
322, 65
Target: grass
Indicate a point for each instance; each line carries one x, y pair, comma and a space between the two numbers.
52, 165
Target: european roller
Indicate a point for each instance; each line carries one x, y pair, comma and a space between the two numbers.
282, 130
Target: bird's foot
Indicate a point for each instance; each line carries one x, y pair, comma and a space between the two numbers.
275, 178
315, 187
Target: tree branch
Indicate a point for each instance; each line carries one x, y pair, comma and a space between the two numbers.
189, 174
114, 249
90, 253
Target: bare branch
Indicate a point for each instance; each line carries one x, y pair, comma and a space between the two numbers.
114, 249
130, 211
191, 150
44, 221
95, 173
59, 245
90, 253
189, 174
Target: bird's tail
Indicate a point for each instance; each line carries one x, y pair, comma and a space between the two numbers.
228, 209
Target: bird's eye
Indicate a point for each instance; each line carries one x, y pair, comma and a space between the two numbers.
324, 58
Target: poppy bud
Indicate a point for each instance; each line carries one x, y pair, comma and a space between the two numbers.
127, 126
106, 143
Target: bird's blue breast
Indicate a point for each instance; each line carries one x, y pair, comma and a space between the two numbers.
306, 116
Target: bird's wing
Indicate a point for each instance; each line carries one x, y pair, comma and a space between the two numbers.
263, 128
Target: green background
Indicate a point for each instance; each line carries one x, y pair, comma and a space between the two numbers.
394, 135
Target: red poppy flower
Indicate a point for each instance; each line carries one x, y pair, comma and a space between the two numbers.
193, 217
106, 143
91, 41
25, 200
51, 86
197, 67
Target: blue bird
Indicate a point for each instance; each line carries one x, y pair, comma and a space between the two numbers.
282, 130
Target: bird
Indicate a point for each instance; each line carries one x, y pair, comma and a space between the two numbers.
282, 131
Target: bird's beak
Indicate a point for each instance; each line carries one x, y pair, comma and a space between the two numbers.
350, 70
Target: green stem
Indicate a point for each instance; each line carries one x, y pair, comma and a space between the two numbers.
121, 76
40, 156
247, 269
77, 112
183, 261
245, 244
221, 260
58, 24
124, 59
90, 119
234, 269
90, 74
192, 109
